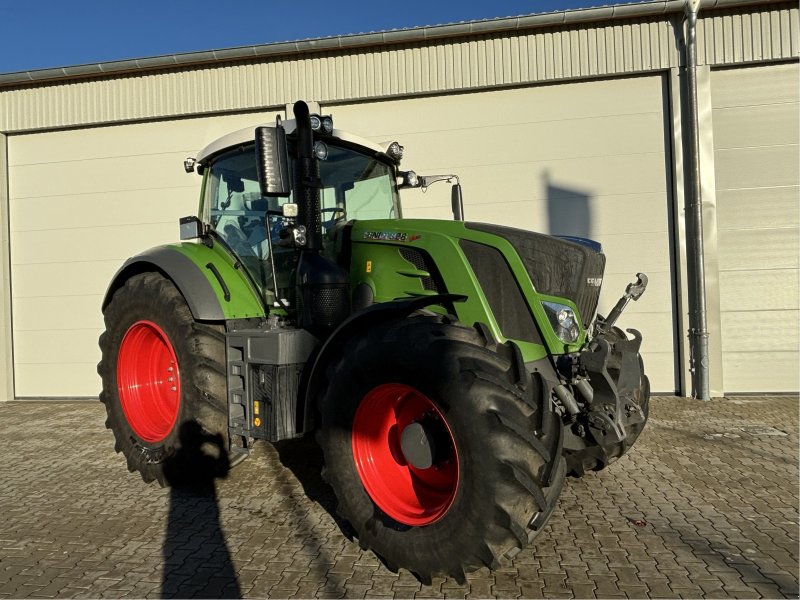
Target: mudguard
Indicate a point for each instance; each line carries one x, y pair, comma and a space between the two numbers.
216, 295
369, 317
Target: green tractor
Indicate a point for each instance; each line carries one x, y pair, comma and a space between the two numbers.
454, 373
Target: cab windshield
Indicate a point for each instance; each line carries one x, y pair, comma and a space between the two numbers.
354, 186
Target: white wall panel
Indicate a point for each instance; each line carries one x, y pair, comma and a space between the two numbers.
758, 185
81, 203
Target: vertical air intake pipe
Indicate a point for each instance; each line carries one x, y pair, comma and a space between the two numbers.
322, 285
306, 179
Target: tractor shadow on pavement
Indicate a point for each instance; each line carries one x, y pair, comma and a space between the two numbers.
303, 457
197, 562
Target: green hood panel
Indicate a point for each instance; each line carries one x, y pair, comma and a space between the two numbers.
378, 261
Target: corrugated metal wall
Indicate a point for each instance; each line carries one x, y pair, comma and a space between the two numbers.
766, 32
59, 136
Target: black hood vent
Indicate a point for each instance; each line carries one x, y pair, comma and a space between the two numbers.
557, 266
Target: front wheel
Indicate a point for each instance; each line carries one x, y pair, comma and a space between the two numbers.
439, 448
163, 376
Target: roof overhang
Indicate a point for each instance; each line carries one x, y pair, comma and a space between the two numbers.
382, 38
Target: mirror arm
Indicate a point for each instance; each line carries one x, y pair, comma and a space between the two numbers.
426, 181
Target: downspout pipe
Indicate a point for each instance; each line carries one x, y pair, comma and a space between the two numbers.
698, 319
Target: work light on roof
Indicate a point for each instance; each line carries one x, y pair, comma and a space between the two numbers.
322, 124
395, 151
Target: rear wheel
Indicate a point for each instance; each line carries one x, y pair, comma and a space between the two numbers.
160, 370
438, 446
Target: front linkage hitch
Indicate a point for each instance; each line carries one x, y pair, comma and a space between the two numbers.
606, 400
614, 369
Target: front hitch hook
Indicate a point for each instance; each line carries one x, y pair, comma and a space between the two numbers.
633, 292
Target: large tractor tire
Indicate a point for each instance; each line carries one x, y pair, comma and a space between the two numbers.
593, 458
441, 451
162, 373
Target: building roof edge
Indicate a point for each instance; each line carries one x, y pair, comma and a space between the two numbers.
361, 40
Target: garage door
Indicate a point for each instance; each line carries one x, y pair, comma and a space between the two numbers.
585, 158
582, 159
81, 202
755, 113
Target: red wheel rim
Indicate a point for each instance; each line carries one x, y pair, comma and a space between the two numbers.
148, 381
408, 494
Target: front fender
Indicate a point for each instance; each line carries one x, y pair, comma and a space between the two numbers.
369, 317
208, 279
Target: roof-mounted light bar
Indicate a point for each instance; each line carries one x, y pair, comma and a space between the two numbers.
322, 124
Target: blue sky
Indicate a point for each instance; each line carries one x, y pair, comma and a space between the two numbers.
44, 34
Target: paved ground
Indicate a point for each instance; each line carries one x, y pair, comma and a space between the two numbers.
705, 505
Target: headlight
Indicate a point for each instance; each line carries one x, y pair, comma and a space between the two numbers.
321, 150
408, 179
563, 321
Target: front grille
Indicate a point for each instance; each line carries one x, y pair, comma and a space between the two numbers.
501, 291
557, 267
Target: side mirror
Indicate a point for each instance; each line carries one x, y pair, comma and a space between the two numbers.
191, 228
272, 161
457, 202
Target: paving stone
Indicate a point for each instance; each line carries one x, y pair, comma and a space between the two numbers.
634, 591
606, 585
582, 590
408, 592
659, 588
720, 513
626, 575
330, 594
307, 590
480, 588
505, 581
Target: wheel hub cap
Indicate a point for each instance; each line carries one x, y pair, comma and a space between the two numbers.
418, 446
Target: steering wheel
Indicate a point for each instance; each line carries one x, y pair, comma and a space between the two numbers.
237, 241
331, 223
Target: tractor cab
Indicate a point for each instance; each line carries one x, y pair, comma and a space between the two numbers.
358, 179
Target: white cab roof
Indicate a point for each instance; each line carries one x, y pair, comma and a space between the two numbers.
246, 135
